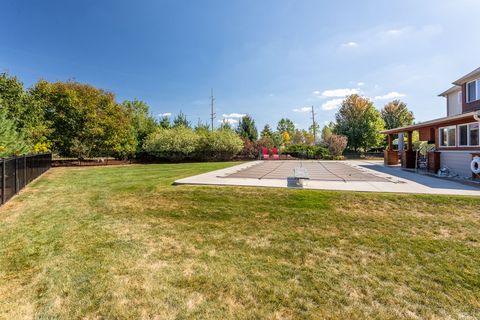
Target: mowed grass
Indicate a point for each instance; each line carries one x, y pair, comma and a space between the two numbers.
123, 243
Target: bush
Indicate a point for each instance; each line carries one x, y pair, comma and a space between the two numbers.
218, 145
183, 143
308, 152
249, 150
336, 144
174, 144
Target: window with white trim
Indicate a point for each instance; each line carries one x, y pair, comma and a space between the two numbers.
463, 135
468, 134
473, 131
447, 136
473, 90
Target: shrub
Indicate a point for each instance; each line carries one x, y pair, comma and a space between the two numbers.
249, 150
304, 151
336, 144
172, 144
218, 145
183, 143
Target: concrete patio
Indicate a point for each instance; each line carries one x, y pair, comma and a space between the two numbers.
349, 175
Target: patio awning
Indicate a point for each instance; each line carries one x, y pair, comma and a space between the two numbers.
436, 122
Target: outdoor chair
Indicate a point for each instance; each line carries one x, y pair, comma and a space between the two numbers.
265, 154
275, 154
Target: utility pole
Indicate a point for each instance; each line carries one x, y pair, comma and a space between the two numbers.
314, 126
212, 113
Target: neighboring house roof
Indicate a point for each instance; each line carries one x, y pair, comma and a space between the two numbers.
431, 123
449, 91
471, 76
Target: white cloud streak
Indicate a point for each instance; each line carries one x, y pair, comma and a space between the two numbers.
302, 109
228, 120
165, 114
234, 115
351, 44
336, 93
332, 104
390, 95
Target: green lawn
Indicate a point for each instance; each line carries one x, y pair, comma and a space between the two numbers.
123, 243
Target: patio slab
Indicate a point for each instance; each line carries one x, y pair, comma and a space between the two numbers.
348, 175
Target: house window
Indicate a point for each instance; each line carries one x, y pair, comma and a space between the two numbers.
473, 134
473, 90
447, 136
463, 135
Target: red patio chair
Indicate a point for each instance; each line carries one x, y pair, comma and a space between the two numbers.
275, 153
265, 154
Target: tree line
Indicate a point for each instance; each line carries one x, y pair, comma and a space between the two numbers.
78, 120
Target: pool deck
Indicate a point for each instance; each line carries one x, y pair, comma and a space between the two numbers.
348, 175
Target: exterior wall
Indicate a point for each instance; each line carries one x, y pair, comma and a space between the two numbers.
454, 106
468, 107
457, 161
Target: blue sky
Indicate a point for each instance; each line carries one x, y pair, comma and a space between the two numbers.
268, 58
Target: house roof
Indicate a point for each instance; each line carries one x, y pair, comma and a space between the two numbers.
451, 90
472, 75
431, 123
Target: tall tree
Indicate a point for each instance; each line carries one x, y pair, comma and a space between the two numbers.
286, 125
12, 141
164, 122
85, 121
142, 122
266, 132
396, 114
327, 131
360, 122
247, 129
23, 109
225, 125
181, 121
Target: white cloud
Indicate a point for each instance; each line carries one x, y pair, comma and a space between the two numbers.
331, 104
234, 115
338, 93
351, 44
360, 84
390, 95
302, 109
228, 120
165, 114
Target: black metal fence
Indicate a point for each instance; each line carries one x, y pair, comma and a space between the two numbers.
17, 172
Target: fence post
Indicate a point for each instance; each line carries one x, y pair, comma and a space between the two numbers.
15, 172
3, 182
24, 170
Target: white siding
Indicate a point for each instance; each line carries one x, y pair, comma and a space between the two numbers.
454, 106
457, 161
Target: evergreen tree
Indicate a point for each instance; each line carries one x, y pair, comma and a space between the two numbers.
286, 125
247, 129
266, 132
181, 121
164, 122
225, 125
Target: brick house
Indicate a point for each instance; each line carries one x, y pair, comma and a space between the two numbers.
456, 136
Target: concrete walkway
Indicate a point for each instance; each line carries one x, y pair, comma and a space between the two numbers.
373, 176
